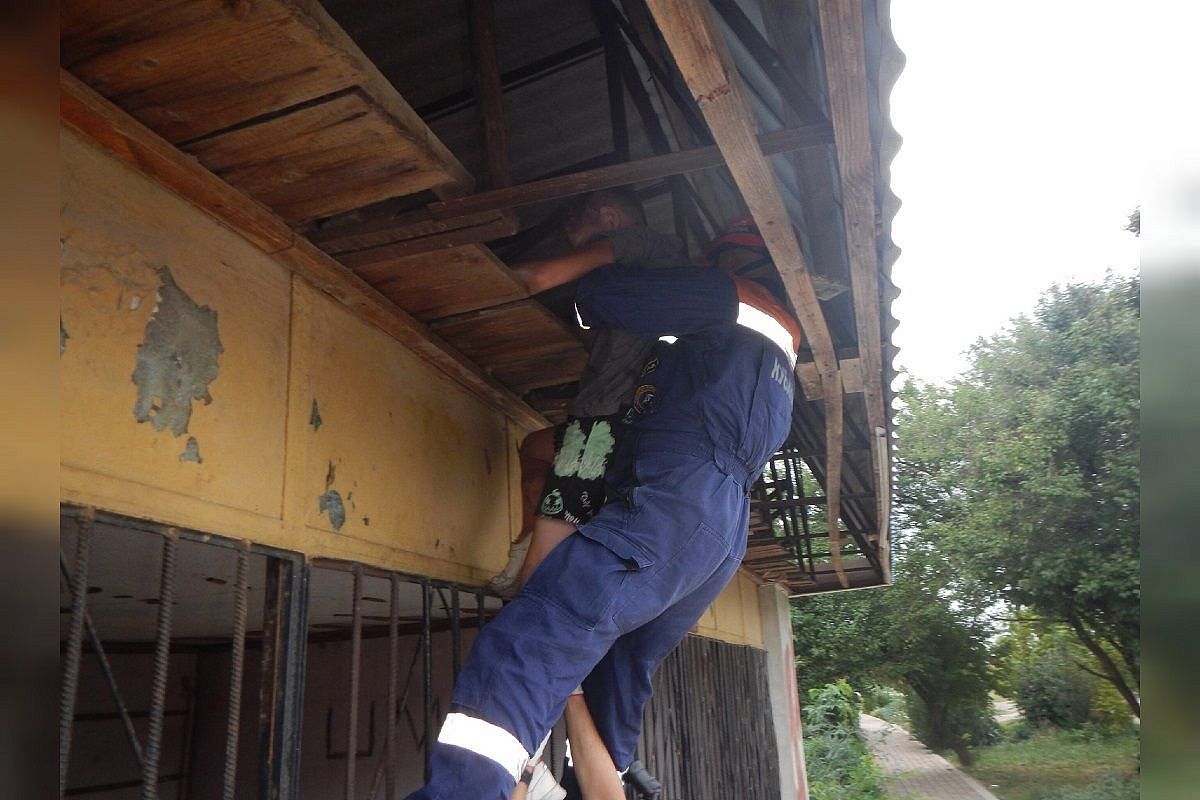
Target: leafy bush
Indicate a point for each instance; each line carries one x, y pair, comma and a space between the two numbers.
839, 766
1051, 689
966, 723
1110, 713
894, 709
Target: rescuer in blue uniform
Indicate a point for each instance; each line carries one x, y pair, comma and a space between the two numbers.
607, 605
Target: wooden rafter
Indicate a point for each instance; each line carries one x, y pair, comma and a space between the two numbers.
706, 66
846, 71
645, 169
457, 222
489, 94
96, 119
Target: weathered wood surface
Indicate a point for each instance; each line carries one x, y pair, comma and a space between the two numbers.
706, 66
321, 159
447, 224
187, 70
433, 285
845, 65
511, 332
388, 223
86, 112
549, 369
645, 169
489, 94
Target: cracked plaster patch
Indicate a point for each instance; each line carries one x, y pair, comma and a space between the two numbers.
177, 359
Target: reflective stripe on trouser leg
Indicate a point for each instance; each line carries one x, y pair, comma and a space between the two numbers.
580, 600
484, 739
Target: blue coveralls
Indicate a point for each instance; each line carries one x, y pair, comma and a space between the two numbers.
609, 604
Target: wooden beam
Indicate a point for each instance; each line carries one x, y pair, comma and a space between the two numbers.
489, 94
791, 90
642, 39
422, 230
706, 66
88, 114
717, 196
788, 23
607, 19
618, 120
645, 169
846, 71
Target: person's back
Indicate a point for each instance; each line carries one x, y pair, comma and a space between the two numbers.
609, 603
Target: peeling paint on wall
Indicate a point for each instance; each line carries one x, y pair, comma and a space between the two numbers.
331, 502
191, 452
176, 360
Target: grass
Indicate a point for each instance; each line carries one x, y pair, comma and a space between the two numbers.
1053, 764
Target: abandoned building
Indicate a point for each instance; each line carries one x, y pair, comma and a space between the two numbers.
296, 366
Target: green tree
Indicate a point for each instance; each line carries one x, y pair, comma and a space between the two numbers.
919, 635
1025, 470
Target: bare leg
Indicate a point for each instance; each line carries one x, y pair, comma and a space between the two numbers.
594, 768
547, 534
536, 454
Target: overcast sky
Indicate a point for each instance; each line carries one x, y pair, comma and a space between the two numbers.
1019, 166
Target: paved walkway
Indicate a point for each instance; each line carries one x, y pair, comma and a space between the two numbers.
911, 771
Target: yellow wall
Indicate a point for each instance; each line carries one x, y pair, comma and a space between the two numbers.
427, 473
735, 616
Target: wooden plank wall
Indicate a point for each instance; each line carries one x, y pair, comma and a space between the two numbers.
707, 732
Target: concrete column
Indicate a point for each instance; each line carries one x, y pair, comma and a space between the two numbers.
781, 681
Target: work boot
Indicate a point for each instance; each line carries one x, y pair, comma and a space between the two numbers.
543, 786
505, 583
645, 784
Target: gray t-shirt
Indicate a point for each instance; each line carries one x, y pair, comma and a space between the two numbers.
615, 363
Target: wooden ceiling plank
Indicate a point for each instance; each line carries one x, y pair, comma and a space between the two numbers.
320, 160
175, 66
84, 111
187, 70
434, 285
383, 92
505, 224
366, 228
707, 67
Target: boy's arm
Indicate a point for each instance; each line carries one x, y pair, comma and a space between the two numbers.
538, 276
594, 769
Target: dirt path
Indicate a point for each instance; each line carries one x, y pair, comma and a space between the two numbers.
911, 771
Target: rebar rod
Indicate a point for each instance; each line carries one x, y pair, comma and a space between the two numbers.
70, 687
106, 670
455, 632
355, 664
427, 652
236, 670
393, 674
162, 656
